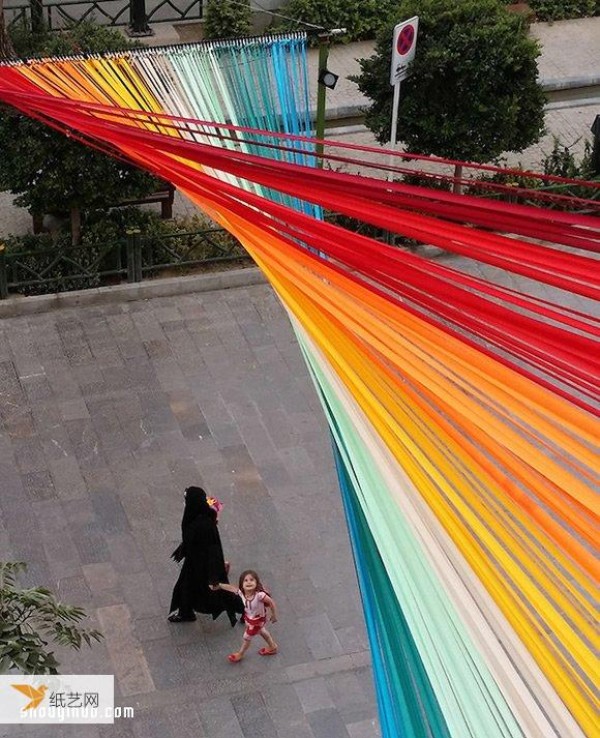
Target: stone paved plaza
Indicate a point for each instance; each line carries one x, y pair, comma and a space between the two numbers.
108, 413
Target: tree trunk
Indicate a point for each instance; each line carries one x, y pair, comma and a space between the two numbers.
6, 49
457, 187
75, 226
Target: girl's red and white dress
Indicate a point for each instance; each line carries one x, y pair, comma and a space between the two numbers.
255, 613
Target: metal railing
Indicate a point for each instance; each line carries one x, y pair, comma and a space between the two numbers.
135, 257
58, 14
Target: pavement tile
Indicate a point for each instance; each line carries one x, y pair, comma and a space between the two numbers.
313, 695
67, 479
38, 485
29, 455
219, 719
151, 723
165, 666
252, 715
364, 729
327, 724
127, 657
286, 712
347, 690
184, 721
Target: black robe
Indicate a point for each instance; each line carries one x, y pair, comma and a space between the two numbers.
203, 564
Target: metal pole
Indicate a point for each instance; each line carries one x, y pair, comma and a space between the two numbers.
138, 20
3, 277
131, 261
37, 17
394, 133
595, 129
321, 93
138, 257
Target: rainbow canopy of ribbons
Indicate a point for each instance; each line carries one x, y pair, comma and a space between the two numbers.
461, 393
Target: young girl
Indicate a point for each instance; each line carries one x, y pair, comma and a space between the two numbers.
256, 601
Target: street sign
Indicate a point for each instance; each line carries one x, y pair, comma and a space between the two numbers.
404, 46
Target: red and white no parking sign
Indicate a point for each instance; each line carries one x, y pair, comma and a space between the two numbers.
404, 46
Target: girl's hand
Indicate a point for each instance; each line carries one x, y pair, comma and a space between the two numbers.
273, 618
214, 586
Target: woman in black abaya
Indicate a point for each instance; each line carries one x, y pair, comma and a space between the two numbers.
203, 564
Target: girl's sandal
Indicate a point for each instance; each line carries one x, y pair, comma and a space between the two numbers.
267, 651
234, 657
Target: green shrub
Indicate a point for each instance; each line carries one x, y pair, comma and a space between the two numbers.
548, 10
561, 162
225, 19
362, 19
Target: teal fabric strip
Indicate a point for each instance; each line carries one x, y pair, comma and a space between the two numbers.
469, 698
413, 711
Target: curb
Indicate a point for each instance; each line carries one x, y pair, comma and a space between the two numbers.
570, 83
17, 306
357, 110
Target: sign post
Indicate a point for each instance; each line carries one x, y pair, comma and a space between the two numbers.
404, 46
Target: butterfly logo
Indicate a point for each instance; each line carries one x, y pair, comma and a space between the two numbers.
34, 694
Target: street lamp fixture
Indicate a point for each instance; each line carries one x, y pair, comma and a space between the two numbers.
329, 79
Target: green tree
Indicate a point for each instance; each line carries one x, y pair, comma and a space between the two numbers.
227, 18
472, 93
30, 616
361, 18
50, 172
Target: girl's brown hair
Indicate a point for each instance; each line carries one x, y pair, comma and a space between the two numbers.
254, 575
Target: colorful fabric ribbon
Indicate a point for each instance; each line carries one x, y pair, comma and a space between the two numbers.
462, 396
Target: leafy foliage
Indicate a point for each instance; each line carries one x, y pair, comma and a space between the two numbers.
561, 162
362, 19
28, 617
225, 19
548, 10
50, 172
473, 90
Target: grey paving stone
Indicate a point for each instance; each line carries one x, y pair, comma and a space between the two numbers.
327, 724
165, 666
109, 511
100, 576
184, 722
126, 654
348, 694
286, 711
364, 729
219, 719
29, 455
151, 723
38, 485
313, 695
68, 480
37, 388
74, 409
320, 636
253, 716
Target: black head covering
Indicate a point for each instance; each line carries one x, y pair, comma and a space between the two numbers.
195, 505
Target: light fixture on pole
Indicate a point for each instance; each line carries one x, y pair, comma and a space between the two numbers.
328, 79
